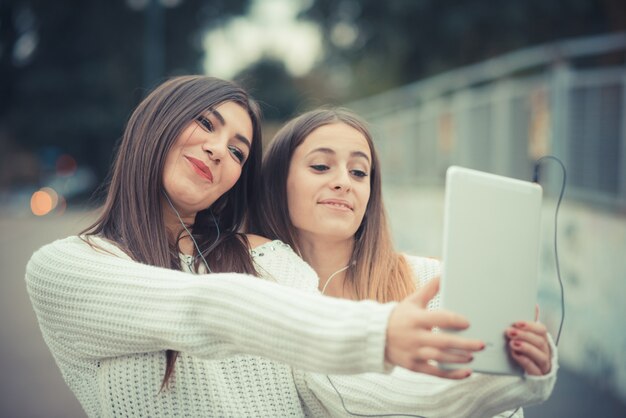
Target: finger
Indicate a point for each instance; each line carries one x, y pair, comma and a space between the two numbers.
431, 353
539, 341
527, 364
536, 327
425, 293
449, 342
442, 319
536, 312
534, 354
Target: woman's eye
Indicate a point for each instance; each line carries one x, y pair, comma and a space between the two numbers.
205, 123
319, 167
358, 173
237, 153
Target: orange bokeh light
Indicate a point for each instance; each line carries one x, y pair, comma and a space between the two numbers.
41, 203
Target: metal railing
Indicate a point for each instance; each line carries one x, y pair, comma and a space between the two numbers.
502, 114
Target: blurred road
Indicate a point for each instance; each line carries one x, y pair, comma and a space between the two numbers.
32, 386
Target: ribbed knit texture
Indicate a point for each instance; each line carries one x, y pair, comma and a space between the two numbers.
108, 321
405, 392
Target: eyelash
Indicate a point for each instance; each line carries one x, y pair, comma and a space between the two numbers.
205, 123
322, 167
239, 155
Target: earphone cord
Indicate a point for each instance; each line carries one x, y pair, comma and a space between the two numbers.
191, 236
558, 272
556, 252
332, 276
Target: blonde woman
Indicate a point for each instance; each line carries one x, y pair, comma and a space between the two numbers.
322, 195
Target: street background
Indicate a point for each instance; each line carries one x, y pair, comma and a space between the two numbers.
33, 386
487, 85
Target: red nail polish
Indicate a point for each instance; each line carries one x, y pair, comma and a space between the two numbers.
513, 333
517, 344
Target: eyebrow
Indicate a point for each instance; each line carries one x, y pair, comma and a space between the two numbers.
331, 151
222, 121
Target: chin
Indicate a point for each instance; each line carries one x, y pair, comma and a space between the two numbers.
339, 233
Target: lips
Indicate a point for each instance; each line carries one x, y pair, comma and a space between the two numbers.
336, 204
201, 168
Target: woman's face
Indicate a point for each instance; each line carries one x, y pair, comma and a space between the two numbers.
207, 158
328, 185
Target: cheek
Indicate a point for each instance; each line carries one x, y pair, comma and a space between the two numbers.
232, 177
297, 197
364, 197
170, 179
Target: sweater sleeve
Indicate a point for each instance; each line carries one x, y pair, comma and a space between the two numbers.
409, 393
100, 305
406, 392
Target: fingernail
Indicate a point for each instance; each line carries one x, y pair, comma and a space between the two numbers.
513, 333
468, 374
520, 324
517, 344
517, 353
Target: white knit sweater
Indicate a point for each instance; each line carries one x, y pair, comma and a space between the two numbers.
415, 394
108, 321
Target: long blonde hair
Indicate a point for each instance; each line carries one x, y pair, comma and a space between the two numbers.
378, 272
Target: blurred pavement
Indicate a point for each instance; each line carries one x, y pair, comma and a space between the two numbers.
32, 386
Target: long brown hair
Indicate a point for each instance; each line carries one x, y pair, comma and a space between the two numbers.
132, 216
378, 272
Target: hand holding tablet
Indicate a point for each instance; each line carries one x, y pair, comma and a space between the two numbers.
490, 268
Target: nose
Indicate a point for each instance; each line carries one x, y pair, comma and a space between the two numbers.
341, 181
215, 148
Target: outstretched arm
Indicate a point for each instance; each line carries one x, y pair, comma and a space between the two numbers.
95, 305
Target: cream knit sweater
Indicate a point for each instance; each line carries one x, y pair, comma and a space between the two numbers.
108, 321
415, 394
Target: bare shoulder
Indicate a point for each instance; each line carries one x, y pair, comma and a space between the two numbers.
256, 240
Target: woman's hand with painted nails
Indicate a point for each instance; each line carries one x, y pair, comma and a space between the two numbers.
529, 347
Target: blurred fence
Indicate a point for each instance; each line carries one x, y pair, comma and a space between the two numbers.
566, 99
502, 114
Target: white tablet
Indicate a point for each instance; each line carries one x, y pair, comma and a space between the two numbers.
490, 259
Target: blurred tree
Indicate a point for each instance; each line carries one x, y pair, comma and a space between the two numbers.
72, 70
386, 44
273, 87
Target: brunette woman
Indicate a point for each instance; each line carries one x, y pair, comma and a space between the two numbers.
136, 334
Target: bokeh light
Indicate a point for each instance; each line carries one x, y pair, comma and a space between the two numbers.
44, 201
40, 203
66, 165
